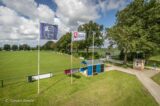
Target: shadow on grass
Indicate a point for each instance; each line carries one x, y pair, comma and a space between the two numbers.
75, 76
16, 83
43, 91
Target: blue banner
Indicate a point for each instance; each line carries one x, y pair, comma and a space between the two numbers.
48, 31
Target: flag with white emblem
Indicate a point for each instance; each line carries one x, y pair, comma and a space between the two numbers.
48, 31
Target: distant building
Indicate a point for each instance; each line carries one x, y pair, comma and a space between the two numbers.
138, 64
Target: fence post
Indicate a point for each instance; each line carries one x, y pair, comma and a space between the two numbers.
2, 83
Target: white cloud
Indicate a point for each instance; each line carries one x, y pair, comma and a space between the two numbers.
24, 7
19, 18
106, 5
8, 16
14, 26
44, 13
73, 12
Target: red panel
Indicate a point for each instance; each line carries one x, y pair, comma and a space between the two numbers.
67, 72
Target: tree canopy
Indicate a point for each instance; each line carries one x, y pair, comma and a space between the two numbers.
64, 43
137, 28
92, 29
50, 45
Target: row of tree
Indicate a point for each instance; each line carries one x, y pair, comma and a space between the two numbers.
8, 47
91, 29
137, 28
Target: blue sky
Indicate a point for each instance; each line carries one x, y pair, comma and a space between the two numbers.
107, 19
20, 18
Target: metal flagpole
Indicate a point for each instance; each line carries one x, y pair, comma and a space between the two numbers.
92, 53
71, 58
38, 61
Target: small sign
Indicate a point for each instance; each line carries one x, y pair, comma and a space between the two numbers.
77, 36
41, 76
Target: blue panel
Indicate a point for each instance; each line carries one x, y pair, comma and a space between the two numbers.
98, 68
89, 72
84, 62
82, 69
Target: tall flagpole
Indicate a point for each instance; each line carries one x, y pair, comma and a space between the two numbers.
92, 53
38, 61
71, 58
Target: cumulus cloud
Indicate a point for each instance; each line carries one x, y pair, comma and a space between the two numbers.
19, 19
75, 12
13, 26
27, 8
106, 5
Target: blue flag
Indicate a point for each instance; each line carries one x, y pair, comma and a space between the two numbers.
48, 31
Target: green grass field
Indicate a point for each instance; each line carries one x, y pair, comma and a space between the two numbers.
109, 88
156, 78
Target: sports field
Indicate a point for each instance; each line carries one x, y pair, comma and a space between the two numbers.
109, 88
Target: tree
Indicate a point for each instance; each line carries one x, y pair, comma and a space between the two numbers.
24, 47
64, 43
131, 32
92, 29
50, 45
151, 18
14, 47
7, 47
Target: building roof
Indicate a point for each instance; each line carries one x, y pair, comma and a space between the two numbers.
89, 62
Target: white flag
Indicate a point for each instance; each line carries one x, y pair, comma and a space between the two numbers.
77, 36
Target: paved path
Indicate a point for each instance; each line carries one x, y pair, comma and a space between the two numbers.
152, 87
144, 77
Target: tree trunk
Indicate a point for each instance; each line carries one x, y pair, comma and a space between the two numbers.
77, 50
87, 50
125, 57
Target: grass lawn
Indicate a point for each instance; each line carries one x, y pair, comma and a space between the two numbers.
109, 88
156, 78
156, 58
